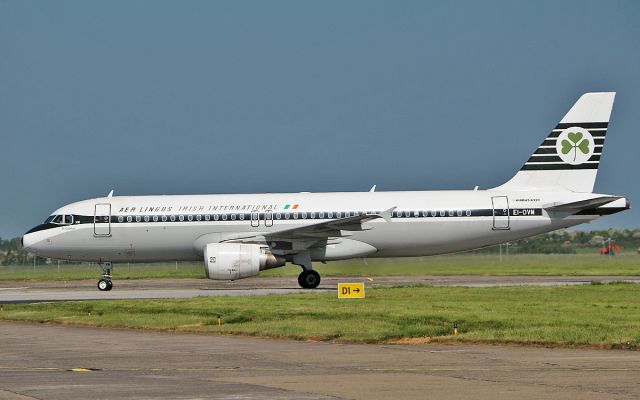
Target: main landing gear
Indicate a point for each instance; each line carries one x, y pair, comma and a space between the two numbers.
308, 278
105, 283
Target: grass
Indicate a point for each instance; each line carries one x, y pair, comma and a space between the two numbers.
457, 264
73, 271
604, 315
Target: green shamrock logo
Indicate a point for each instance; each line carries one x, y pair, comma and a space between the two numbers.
575, 143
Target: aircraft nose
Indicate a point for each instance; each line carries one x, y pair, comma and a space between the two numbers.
28, 241
25, 243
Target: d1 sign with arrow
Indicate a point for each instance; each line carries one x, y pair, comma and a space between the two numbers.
351, 290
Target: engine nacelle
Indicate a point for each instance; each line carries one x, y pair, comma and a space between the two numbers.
231, 261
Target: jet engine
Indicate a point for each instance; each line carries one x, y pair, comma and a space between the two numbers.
230, 261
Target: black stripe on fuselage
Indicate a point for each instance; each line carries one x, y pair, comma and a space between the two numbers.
297, 216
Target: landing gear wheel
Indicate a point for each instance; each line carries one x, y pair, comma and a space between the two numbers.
309, 279
105, 285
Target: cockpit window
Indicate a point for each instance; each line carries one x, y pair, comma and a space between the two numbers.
60, 219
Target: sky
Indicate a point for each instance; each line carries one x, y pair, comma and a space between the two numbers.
166, 97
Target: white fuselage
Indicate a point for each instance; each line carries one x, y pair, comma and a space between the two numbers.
168, 228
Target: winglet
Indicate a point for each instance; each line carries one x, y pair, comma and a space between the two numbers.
387, 214
373, 189
110, 193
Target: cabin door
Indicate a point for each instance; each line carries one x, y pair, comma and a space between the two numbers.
255, 219
500, 212
268, 218
102, 220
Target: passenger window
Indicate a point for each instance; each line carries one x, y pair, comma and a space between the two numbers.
207, 217
241, 217
198, 217
321, 215
459, 212
129, 218
295, 215
287, 215
146, 218
190, 217
224, 217
155, 218
338, 214
172, 218
138, 218
278, 216
468, 213
216, 217
312, 215
304, 215
233, 217
164, 218
330, 214
120, 218
181, 218
442, 213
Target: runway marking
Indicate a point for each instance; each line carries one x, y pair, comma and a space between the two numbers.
14, 288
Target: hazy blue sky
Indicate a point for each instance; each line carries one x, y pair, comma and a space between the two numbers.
151, 97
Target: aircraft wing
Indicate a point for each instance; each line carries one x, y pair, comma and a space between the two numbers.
303, 237
578, 206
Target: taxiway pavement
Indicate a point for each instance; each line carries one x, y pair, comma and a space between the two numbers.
29, 292
41, 361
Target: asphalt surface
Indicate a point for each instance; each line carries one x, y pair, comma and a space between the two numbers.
28, 292
39, 361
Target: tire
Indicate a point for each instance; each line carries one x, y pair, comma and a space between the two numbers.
104, 285
309, 279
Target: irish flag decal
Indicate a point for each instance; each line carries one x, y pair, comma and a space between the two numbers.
293, 207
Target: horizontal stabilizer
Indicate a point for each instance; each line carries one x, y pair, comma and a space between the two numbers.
578, 206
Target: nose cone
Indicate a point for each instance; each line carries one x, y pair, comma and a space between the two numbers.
27, 241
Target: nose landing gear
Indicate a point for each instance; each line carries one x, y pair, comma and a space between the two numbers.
105, 283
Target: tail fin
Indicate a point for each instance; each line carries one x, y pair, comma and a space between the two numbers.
569, 157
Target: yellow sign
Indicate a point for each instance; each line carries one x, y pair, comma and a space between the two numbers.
351, 290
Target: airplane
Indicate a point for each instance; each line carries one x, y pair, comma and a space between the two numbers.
239, 235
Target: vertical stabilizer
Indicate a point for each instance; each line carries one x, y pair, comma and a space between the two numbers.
569, 157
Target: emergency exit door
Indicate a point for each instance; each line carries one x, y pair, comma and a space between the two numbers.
500, 212
102, 220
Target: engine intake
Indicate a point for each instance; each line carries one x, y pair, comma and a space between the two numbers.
231, 261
